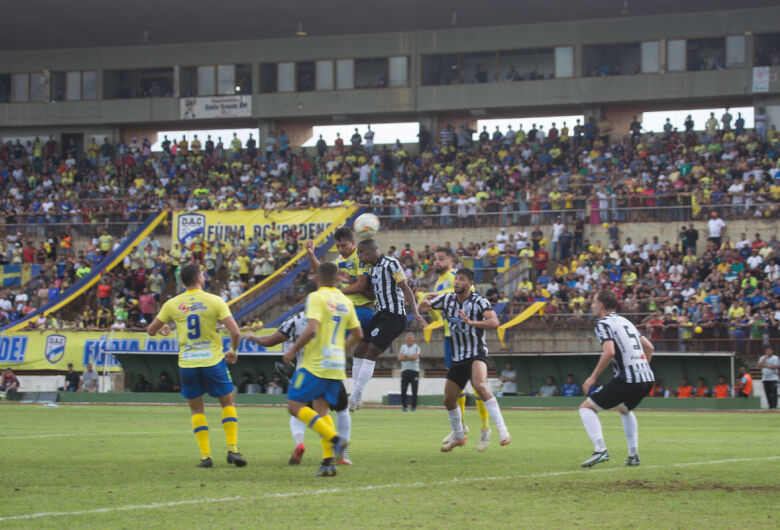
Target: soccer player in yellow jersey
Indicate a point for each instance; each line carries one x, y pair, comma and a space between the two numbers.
202, 364
444, 266
353, 275
329, 314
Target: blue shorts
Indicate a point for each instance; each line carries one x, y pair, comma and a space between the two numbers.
214, 379
307, 387
448, 352
364, 314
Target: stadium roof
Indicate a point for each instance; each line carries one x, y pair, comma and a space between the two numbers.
46, 24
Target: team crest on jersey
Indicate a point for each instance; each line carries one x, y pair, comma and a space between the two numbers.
196, 307
55, 348
337, 307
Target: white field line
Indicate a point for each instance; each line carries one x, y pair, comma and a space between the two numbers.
297, 493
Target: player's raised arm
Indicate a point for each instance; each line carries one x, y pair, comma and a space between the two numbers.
315, 263
312, 325
409, 295
277, 337
359, 286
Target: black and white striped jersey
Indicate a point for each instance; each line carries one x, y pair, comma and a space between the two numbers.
629, 363
385, 276
292, 327
468, 342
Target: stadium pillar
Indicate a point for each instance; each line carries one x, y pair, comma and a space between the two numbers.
264, 127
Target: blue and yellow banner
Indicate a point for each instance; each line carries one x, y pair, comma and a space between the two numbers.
20, 274
248, 224
53, 350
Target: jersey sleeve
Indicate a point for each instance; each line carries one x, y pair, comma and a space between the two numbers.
287, 328
438, 302
396, 271
223, 311
602, 332
483, 305
166, 313
314, 307
362, 268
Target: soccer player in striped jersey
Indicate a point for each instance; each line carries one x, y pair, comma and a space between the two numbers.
629, 353
288, 332
202, 365
329, 315
391, 292
443, 265
468, 315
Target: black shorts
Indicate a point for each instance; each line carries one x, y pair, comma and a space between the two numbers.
342, 403
616, 392
383, 328
460, 373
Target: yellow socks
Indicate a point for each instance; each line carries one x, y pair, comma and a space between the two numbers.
201, 430
462, 403
484, 415
230, 424
327, 447
320, 425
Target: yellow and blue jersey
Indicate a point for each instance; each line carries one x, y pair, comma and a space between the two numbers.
196, 315
323, 356
355, 269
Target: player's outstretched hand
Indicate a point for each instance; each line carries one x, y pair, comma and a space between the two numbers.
165, 330
310, 245
231, 357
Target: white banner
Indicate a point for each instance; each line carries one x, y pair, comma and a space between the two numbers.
760, 79
215, 107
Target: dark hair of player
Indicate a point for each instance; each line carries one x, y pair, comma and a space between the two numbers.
327, 273
444, 250
468, 273
342, 234
368, 243
189, 274
608, 299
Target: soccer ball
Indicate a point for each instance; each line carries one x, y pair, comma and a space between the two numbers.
365, 226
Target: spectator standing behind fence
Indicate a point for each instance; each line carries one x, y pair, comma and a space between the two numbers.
715, 228
409, 357
769, 364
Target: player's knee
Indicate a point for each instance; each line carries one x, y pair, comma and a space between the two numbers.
586, 405
623, 409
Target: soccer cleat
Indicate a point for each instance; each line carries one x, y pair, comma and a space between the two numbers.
236, 458
327, 469
448, 438
339, 444
453, 443
595, 458
345, 461
206, 462
484, 440
632, 460
354, 405
404, 409
504, 438
297, 455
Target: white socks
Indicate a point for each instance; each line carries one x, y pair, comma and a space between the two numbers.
495, 412
631, 429
593, 427
456, 422
364, 376
297, 428
344, 424
357, 362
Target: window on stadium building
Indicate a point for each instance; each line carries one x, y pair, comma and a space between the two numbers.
304, 76
268, 78
137, 83
706, 54
611, 59
766, 48
371, 73
5, 88
497, 66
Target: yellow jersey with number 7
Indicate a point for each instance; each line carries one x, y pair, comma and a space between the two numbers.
323, 355
196, 315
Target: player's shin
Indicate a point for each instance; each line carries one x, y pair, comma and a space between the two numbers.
317, 423
456, 424
344, 423
297, 428
631, 428
201, 430
484, 415
365, 375
230, 425
492, 408
593, 427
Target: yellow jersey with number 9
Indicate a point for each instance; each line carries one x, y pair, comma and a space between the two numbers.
323, 355
196, 315
354, 269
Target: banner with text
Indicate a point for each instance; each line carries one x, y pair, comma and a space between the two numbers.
215, 107
53, 350
248, 224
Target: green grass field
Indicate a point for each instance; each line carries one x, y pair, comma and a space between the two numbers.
134, 466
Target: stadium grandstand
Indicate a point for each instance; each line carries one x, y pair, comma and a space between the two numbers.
556, 149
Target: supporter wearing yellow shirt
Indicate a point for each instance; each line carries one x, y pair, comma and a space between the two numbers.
243, 266
195, 145
736, 311
526, 287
